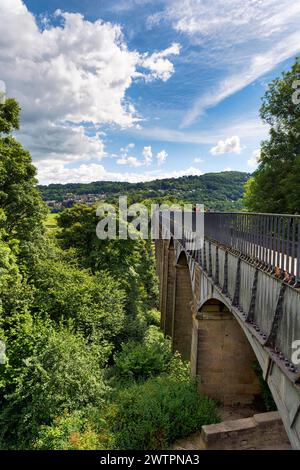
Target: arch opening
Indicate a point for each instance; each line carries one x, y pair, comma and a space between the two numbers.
166, 258
225, 357
182, 312
170, 288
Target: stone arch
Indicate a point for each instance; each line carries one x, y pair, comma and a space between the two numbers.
225, 357
170, 290
182, 317
167, 285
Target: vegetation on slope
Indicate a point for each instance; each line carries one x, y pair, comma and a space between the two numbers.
218, 191
86, 365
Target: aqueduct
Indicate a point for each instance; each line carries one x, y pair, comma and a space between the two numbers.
233, 301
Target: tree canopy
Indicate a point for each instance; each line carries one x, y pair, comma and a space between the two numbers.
275, 185
20, 199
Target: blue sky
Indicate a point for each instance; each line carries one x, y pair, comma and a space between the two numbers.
140, 89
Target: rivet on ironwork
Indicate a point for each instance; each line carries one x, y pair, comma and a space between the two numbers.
292, 281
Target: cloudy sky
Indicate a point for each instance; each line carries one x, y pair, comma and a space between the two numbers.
133, 90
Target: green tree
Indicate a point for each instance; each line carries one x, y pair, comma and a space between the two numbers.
131, 262
9, 273
152, 414
95, 303
20, 198
50, 371
138, 361
274, 186
9, 116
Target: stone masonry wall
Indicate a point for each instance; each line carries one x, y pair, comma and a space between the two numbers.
224, 357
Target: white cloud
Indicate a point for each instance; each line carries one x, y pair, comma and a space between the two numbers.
232, 20
129, 161
127, 148
77, 71
259, 64
60, 141
245, 127
227, 168
161, 157
230, 145
191, 171
229, 35
126, 5
160, 67
14, 6
254, 160
198, 160
55, 171
147, 154
147, 157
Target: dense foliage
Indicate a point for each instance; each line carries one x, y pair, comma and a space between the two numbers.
275, 185
21, 207
155, 413
218, 191
146, 414
86, 365
60, 373
138, 361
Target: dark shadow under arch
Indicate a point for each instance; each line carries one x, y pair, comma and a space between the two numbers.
170, 290
225, 357
182, 318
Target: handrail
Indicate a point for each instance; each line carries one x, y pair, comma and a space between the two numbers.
273, 239
254, 213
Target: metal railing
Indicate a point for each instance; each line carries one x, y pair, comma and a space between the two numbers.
273, 239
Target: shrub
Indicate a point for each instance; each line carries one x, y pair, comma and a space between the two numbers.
151, 415
138, 361
152, 317
178, 369
94, 302
57, 373
75, 431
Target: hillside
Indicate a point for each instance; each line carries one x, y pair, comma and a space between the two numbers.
218, 191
